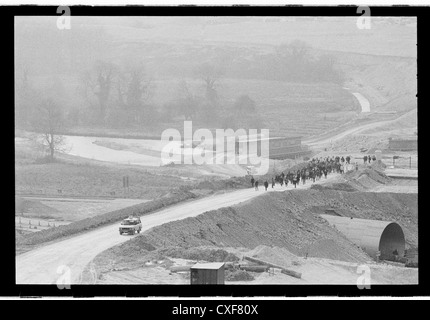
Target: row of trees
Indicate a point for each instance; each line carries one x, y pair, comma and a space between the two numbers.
120, 97
211, 110
117, 95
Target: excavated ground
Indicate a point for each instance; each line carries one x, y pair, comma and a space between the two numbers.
287, 224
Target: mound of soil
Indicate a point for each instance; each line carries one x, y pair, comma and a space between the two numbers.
232, 183
275, 219
288, 220
200, 254
328, 249
140, 254
374, 173
361, 180
276, 255
238, 275
334, 186
367, 178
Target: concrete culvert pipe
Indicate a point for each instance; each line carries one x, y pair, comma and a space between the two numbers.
392, 239
371, 235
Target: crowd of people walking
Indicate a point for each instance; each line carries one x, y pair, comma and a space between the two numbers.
314, 170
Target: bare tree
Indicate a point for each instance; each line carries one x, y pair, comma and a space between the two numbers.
25, 97
209, 110
299, 49
245, 113
296, 50
138, 93
47, 123
188, 103
99, 82
210, 74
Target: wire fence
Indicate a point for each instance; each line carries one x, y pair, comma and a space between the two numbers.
29, 224
410, 162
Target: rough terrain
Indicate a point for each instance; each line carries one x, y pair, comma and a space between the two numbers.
40, 265
287, 221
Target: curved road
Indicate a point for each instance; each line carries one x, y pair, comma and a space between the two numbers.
364, 103
343, 134
46, 265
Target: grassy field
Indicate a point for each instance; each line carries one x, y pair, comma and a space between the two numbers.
331, 33
26, 242
70, 209
86, 178
91, 181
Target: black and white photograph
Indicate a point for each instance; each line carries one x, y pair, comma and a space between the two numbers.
216, 149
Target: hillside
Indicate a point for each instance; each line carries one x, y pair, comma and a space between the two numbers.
380, 64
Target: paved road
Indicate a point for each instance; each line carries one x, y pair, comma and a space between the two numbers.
364, 103
40, 266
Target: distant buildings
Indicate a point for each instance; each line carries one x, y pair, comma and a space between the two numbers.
279, 147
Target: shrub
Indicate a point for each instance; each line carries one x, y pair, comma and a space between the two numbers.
238, 275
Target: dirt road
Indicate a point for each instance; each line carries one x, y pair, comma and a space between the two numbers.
67, 258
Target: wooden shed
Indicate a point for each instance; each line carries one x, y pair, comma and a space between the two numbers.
207, 273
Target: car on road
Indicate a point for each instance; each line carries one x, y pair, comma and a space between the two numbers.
131, 225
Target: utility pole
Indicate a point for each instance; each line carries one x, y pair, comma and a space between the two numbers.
125, 185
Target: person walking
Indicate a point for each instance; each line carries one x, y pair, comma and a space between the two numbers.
252, 181
256, 185
395, 254
266, 185
273, 182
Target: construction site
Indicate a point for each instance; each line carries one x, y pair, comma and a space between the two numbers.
102, 207
321, 232
316, 236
